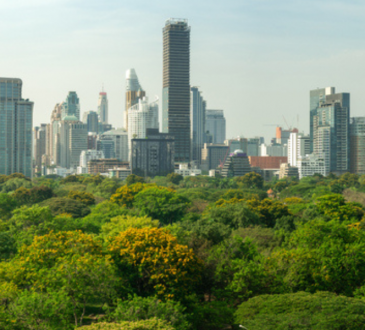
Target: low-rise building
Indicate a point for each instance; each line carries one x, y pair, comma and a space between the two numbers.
310, 165
236, 164
288, 171
96, 166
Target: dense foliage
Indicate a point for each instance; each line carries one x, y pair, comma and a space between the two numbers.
176, 253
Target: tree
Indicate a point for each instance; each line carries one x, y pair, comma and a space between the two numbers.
132, 179
162, 204
121, 223
155, 263
251, 180
124, 196
73, 207
151, 324
43, 311
322, 310
83, 197
174, 178
7, 205
139, 308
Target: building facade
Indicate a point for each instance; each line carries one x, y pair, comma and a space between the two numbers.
133, 93
213, 155
215, 125
39, 146
197, 120
176, 86
103, 108
331, 136
91, 119
141, 117
310, 165
357, 145
120, 139
236, 164
298, 147
16, 125
153, 155
71, 106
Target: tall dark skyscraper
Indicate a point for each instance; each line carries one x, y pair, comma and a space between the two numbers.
176, 85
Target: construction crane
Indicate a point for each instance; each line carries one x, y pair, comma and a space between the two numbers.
226, 155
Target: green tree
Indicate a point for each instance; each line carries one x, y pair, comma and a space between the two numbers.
59, 205
132, 179
162, 204
151, 324
7, 205
139, 308
322, 311
174, 178
251, 180
83, 197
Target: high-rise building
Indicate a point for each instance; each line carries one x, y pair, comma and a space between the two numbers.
236, 164
282, 135
91, 119
107, 147
72, 141
197, 120
357, 145
298, 147
330, 131
213, 155
154, 155
39, 146
120, 138
16, 124
215, 125
54, 148
133, 93
103, 111
176, 85
141, 116
71, 106
310, 165
316, 97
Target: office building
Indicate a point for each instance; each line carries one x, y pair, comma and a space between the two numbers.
288, 171
133, 93
176, 86
213, 155
92, 139
107, 146
103, 166
71, 106
39, 146
120, 173
16, 124
330, 129
298, 147
153, 155
103, 111
85, 157
282, 136
310, 165
274, 149
91, 119
73, 139
357, 145
142, 116
236, 164
54, 149
267, 162
120, 139
197, 120
215, 125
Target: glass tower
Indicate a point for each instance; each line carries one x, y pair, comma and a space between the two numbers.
216, 125
103, 108
71, 106
16, 126
176, 85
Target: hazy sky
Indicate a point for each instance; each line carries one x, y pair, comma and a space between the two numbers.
255, 59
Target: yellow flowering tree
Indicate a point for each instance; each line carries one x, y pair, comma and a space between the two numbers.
156, 263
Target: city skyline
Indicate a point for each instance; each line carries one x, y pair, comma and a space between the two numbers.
233, 52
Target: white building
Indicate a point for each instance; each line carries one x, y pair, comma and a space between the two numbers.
141, 116
185, 171
310, 165
298, 146
274, 150
103, 108
86, 156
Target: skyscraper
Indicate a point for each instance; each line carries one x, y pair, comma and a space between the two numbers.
39, 146
330, 130
197, 120
133, 93
215, 124
71, 106
140, 117
176, 85
316, 97
103, 108
357, 136
54, 150
16, 123
91, 119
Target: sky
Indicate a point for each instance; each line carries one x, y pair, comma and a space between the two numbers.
255, 59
